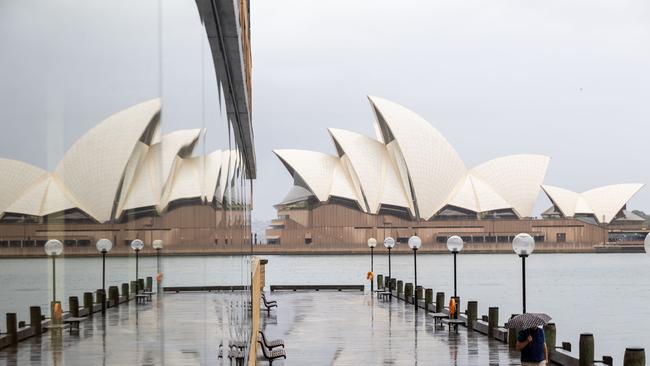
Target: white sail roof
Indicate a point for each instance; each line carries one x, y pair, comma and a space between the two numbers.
16, 177
92, 170
602, 202
516, 178
424, 150
45, 197
378, 180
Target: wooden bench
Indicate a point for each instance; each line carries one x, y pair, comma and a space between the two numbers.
57, 327
438, 317
453, 323
141, 298
269, 304
148, 294
74, 323
271, 355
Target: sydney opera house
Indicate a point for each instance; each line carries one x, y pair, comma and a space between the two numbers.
410, 180
123, 180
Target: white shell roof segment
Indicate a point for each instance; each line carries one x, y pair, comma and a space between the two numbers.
516, 178
602, 202
16, 178
93, 168
411, 163
377, 176
45, 197
424, 150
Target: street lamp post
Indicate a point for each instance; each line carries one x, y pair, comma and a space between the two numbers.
137, 245
372, 243
415, 243
104, 246
53, 248
158, 245
455, 245
523, 245
389, 243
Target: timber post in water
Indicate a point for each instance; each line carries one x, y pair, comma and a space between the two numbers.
586, 351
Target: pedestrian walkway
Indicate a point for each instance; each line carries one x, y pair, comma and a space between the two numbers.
336, 328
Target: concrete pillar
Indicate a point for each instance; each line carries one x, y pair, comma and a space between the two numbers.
114, 295
125, 290
380, 281
428, 298
73, 304
88, 302
12, 328
35, 319
634, 357
550, 335
493, 321
440, 302
586, 351
408, 291
149, 283
472, 313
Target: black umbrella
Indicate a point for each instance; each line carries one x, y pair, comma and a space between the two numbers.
528, 321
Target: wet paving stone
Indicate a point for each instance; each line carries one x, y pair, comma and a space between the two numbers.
338, 328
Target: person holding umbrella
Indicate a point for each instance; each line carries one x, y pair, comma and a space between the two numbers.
530, 340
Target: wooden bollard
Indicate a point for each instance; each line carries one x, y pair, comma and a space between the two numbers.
35, 319
408, 291
114, 295
133, 289
101, 298
550, 335
493, 321
88, 303
73, 304
149, 283
400, 287
428, 298
393, 284
418, 293
387, 283
440, 302
586, 349
380, 281
12, 328
125, 290
472, 313
140, 284
634, 357
512, 335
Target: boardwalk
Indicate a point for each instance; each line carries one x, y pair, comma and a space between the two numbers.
319, 328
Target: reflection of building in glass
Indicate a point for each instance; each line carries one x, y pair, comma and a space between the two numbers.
124, 180
411, 179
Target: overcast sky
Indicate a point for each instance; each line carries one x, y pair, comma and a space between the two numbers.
569, 79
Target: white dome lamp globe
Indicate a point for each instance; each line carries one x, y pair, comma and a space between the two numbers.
137, 245
523, 245
455, 244
157, 244
104, 245
372, 242
389, 243
415, 242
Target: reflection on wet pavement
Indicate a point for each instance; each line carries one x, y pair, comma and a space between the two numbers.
183, 329
334, 328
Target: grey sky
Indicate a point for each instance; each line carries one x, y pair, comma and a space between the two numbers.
569, 79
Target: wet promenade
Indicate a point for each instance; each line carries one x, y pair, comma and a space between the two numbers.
319, 328
337, 328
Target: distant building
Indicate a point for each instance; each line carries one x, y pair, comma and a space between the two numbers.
410, 180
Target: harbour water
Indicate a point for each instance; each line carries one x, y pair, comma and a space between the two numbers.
604, 294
